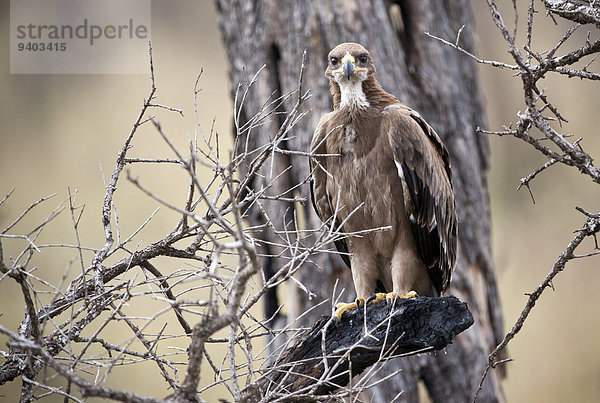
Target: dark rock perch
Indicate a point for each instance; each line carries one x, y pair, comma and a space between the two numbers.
409, 326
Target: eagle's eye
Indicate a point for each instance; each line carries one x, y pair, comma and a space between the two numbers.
334, 61
362, 59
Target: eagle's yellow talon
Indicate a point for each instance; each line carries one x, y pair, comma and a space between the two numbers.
342, 307
410, 294
375, 298
392, 295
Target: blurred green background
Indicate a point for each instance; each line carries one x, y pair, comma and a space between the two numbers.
58, 130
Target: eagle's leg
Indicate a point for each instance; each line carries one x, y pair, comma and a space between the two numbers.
363, 276
409, 275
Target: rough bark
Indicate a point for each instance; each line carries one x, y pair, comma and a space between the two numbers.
437, 81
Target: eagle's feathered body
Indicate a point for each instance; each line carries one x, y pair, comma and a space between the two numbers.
378, 164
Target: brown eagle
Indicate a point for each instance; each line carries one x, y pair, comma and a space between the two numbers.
377, 164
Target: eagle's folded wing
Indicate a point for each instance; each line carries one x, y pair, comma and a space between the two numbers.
424, 167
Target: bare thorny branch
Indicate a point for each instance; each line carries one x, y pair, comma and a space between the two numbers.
91, 293
532, 67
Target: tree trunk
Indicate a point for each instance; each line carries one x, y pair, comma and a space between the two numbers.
432, 78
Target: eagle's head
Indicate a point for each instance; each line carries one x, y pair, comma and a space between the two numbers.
349, 66
349, 62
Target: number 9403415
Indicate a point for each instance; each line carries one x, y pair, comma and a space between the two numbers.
42, 46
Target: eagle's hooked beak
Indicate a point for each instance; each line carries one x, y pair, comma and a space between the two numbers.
348, 66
